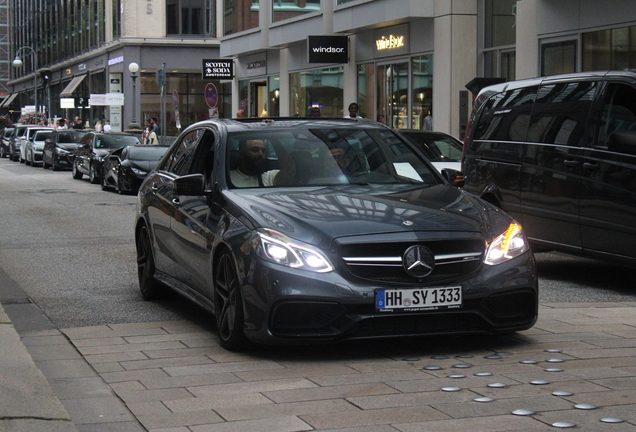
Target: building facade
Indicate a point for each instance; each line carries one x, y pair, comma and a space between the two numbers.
84, 47
404, 59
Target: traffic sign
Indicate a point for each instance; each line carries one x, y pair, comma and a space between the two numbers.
211, 95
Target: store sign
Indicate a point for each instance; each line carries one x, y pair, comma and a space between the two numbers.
392, 40
328, 49
107, 99
218, 69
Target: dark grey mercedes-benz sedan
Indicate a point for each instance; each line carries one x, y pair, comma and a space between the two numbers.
293, 230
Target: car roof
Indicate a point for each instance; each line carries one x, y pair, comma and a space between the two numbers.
247, 124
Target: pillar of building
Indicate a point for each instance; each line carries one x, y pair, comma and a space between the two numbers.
527, 63
454, 61
284, 83
350, 93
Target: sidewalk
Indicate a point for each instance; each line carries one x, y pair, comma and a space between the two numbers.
173, 377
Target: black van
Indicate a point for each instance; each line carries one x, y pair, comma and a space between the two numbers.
559, 154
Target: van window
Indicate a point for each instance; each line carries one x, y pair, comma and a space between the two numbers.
618, 124
561, 112
505, 116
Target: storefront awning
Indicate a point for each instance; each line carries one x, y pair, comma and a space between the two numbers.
70, 88
7, 101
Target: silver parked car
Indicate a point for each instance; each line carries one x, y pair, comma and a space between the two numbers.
28, 136
35, 146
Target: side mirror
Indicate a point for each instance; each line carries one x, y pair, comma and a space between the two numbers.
623, 141
113, 158
192, 184
454, 177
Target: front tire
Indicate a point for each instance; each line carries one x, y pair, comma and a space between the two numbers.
94, 178
44, 164
148, 285
77, 175
228, 304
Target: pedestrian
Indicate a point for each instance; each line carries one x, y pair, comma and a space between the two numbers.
152, 138
98, 125
353, 111
78, 124
240, 114
61, 124
145, 135
427, 120
314, 112
155, 125
107, 126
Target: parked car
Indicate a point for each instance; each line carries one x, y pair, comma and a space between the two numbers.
34, 146
4, 145
125, 168
559, 154
28, 135
297, 230
59, 148
14, 142
93, 148
442, 150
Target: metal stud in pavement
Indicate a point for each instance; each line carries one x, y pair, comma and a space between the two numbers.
563, 425
585, 406
484, 399
451, 389
456, 376
492, 357
612, 420
539, 382
439, 357
461, 366
553, 370
432, 367
529, 361
523, 412
554, 350
497, 385
464, 356
562, 393
483, 374
555, 360
411, 359
503, 354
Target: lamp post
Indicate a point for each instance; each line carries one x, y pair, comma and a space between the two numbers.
134, 68
17, 62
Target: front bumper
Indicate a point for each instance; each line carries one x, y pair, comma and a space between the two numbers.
287, 306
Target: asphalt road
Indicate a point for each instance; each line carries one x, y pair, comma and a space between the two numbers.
70, 247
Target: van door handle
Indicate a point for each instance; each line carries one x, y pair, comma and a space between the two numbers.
590, 166
176, 202
571, 162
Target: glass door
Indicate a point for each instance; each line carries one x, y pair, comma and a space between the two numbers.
393, 95
258, 98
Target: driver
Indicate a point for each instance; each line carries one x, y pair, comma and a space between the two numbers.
251, 169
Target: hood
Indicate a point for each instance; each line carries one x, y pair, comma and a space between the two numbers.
139, 164
67, 146
318, 215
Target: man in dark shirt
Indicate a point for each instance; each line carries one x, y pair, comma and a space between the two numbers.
78, 124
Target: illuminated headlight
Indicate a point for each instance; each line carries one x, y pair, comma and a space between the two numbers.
280, 249
138, 171
62, 152
506, 246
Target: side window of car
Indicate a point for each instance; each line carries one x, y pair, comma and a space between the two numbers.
618, 121
182, 154
561, 112
505, 116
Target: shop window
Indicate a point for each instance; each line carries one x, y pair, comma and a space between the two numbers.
320, 88
499, 28
422, 93
366, 90
285, 9
191, 17
558, 58
239, 15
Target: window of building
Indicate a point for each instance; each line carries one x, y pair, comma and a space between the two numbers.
422, 92
366, 90
558, 58
239, 15
321, 88
499, 30
284, 9
191, 17
609, 49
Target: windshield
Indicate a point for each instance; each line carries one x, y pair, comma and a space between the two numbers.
323, 156
70, 137
146, 153
115, 141
437, 148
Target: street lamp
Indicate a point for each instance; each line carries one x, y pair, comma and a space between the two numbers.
17, 62
134, 68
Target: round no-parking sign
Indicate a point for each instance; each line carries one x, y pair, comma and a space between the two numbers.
211, 95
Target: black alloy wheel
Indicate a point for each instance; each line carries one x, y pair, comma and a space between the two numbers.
104, 185
44, 164
228, 305
77, 175
54, 164
120, 181
148, 285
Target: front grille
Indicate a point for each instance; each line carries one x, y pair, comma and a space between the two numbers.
382, 262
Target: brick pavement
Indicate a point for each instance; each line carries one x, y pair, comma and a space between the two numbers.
174, 377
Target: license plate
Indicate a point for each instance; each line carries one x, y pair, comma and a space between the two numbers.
411, 300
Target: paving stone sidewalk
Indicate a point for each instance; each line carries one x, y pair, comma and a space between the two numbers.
173, 377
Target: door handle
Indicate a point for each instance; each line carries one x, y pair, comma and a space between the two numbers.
571, 162
590, 166
176, 202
